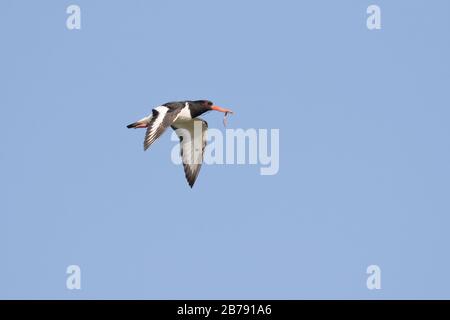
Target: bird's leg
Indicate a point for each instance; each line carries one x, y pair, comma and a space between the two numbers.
142, 125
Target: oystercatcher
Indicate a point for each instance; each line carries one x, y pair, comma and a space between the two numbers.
182, 116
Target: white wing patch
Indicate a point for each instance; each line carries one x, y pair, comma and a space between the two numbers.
159, 119
162, 118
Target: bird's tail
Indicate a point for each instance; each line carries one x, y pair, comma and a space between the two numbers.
139, 124
133, 125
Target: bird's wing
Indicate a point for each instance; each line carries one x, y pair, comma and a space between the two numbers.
192, 136
162, 117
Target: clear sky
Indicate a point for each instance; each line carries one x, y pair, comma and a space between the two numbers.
364, 150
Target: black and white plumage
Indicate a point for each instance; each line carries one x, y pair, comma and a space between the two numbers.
181, 116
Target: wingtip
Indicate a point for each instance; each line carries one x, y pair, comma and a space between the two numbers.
190, 182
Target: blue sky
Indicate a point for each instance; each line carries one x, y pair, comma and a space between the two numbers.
364, 150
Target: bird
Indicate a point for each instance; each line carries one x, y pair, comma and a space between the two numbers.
183, 117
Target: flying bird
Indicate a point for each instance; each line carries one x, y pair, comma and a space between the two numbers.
183, 117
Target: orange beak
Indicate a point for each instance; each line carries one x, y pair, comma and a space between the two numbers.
217, 108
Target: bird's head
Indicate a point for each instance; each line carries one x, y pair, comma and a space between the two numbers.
207, 105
